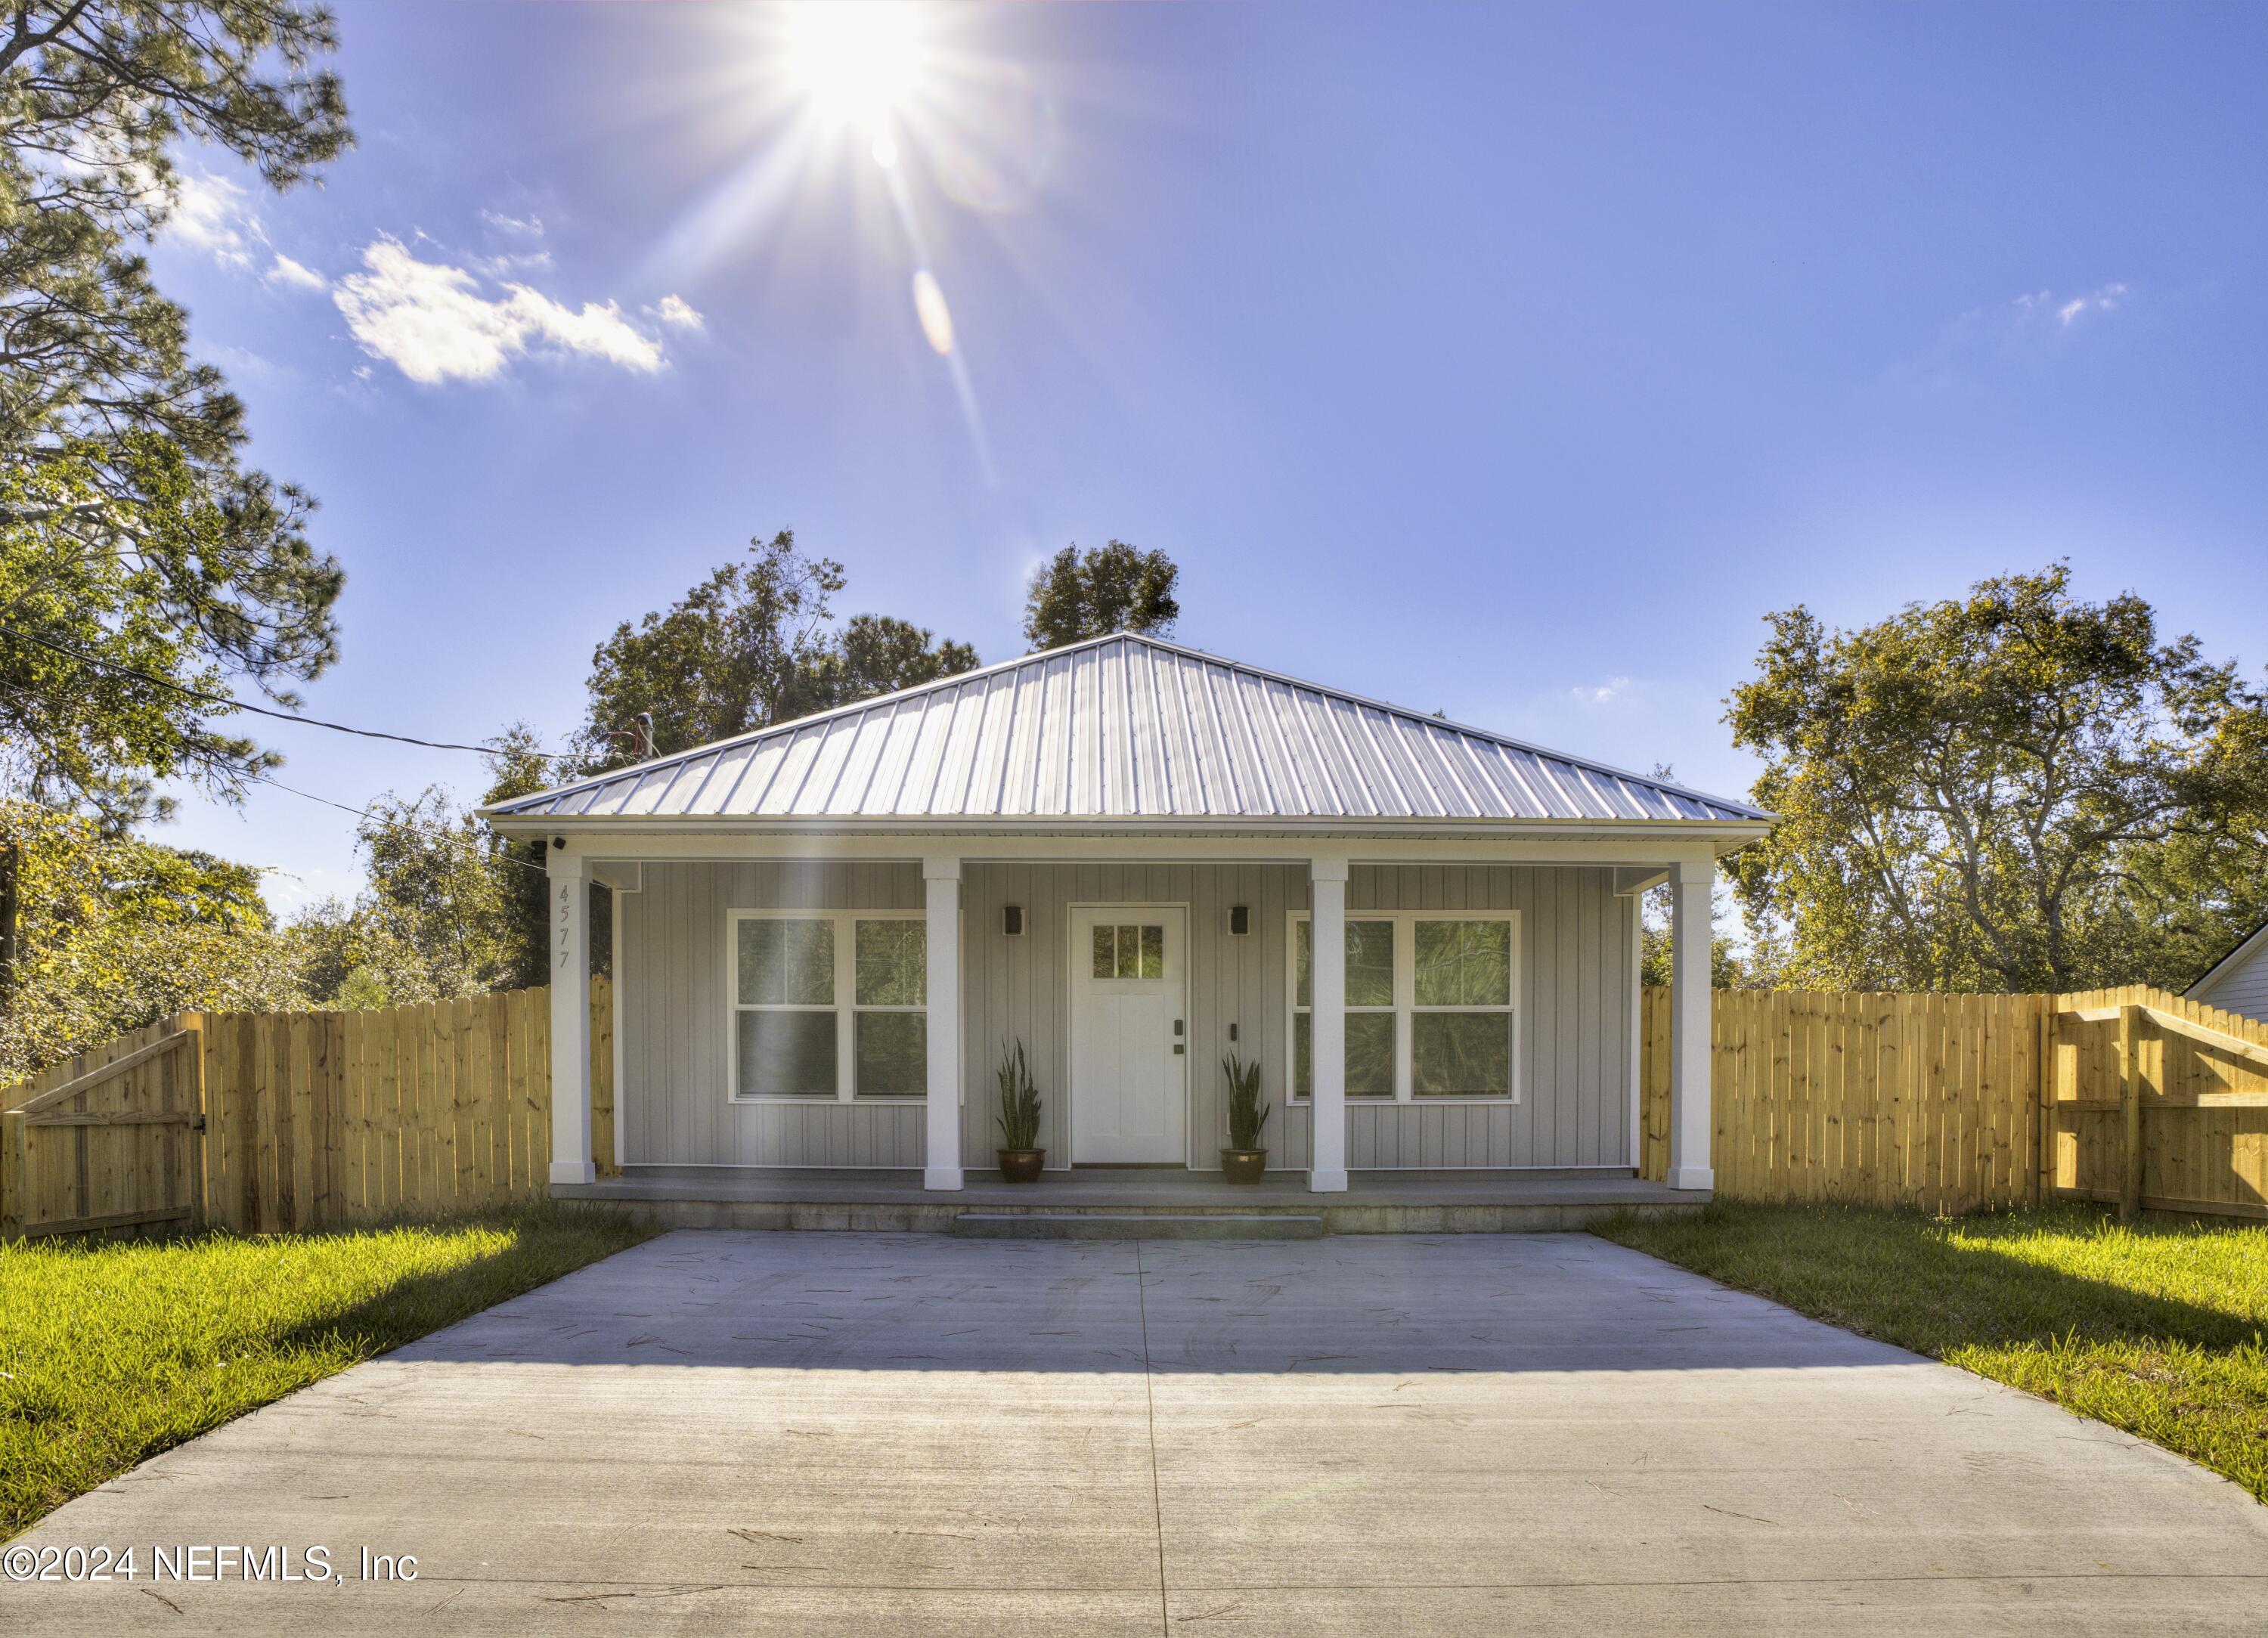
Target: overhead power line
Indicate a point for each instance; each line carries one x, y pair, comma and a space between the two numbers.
262, 711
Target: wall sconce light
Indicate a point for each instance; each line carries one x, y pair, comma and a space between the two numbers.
1014, 920
1240, 920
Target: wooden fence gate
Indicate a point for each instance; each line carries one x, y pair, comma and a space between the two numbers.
259, 1121
1964, 1103
109, 1138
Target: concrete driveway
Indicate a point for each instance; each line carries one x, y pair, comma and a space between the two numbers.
839, 1434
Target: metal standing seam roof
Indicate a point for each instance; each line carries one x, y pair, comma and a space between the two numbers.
1125, 727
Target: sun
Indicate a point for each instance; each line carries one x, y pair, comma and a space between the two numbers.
859, 61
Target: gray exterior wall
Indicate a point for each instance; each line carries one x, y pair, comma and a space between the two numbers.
2242, 985
1576, 1037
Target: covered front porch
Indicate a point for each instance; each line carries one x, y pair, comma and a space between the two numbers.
1309, 957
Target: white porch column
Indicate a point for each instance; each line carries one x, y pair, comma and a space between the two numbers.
1327, 883
941, 877
571, 1019
1693, 885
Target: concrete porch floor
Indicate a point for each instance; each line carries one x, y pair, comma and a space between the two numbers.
1375, 1203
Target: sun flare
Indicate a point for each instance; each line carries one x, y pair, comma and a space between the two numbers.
858, 63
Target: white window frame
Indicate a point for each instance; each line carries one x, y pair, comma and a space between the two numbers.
1405, 1007
846, 1008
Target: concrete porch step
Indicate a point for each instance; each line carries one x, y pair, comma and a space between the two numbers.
1095, 1225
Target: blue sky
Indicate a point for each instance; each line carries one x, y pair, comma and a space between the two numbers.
1507, 361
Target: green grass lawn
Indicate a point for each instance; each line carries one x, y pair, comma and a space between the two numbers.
112, 1351
2157, 1329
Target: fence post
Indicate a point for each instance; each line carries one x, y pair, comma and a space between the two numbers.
14, 1174
2130, 1110
2041, 1099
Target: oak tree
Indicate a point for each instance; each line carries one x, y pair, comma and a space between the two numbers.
1077, 595
2010, 790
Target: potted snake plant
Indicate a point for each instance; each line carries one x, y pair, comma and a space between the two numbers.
1243, 1160
1020, 1157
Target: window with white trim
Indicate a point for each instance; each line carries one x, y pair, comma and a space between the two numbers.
830, 1004
1432, 999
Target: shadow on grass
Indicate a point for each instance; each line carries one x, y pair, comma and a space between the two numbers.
1933, 1284
546, 1242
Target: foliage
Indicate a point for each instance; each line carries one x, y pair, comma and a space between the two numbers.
111, 1352
451, 908
112, 933
128, 530
1728, 967
518, 768
1078, 595
2010, 791
2157, 1328
1247, 1116
752, 645
1019, 1101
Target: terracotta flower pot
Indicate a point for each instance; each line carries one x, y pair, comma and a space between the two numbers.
1243, 1165
1021, 1165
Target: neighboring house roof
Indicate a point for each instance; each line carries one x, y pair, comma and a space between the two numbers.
2253, 946
1127, 728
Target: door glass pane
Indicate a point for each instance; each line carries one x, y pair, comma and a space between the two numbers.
1464, 964
1303, 1054
893, 1050
1370, 1054
787, 962
1461, 1052
1153, 952
893, 963
1106, 948
1369, 964
787, 1054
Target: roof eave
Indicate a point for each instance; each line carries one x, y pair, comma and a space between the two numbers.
1742, 831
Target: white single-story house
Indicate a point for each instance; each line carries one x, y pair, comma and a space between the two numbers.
1131, 857
2238, 982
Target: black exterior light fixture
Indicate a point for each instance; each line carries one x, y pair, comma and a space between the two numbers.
1012, 921
1240, 920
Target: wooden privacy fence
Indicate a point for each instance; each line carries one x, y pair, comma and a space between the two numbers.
259, 1121
1962, 1102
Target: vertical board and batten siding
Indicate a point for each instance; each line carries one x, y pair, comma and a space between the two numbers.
2240, 985
1575, 1028
1020, 988
677, 1023
1575, 1018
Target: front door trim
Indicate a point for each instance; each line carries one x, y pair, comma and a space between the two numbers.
1073, 952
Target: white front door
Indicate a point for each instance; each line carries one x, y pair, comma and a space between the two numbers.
1129, 1033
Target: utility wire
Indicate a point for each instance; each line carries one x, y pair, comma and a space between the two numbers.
505, 852
262, 711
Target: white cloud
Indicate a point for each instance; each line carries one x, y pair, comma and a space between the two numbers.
213, 214
531, 225
2103, 300
1608, 693
299, 274
2026, 331
432, 322
677, 311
